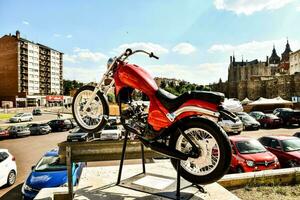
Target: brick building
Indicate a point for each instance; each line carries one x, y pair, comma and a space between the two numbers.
29, 72
269, 78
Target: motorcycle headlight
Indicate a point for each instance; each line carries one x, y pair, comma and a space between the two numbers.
109, 62
250, 163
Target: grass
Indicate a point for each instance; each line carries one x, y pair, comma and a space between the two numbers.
4, 116
276, 192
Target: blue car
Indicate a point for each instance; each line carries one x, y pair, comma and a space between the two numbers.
49, 173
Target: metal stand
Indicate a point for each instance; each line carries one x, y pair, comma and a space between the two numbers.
166, 194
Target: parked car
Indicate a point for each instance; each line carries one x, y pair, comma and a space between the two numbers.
249, 123
77, 134
286, 148
36, 111
111, 132
49, 172
289, 117
268, 120
277, 110
8, 168
18, 131
21, 117
39, 129
60, 125
4, 133
256, 114
250, 155
230, 127
297, 134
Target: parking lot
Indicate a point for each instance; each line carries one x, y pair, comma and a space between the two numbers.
28, 151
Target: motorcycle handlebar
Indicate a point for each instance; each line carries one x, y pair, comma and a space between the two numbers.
128, 52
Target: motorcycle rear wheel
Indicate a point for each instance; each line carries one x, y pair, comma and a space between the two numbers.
215, 152
96, 116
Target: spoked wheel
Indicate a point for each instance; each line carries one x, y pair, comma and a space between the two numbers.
94, 118
215, 152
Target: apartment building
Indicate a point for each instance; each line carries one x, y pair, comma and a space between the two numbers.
295, 62
29, 72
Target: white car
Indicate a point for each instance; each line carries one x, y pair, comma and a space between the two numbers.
8, 168
111, 132
22, 117
231, 127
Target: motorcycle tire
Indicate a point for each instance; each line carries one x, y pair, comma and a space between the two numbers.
105, 108
224, 147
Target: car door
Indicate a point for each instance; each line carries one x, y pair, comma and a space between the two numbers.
234, 160
4, 167
276, 149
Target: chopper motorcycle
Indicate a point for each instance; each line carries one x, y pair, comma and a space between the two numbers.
183, 128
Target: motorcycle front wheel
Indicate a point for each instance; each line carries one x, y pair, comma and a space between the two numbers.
214, 152
94, 118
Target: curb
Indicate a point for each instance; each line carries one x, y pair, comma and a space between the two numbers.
267, 177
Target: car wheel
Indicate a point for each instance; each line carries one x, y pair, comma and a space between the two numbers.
239, 170
11, 179
292, 163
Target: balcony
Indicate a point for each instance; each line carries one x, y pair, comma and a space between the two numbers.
24, 52
24, 58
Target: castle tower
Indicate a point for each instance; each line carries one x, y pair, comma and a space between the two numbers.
285, 58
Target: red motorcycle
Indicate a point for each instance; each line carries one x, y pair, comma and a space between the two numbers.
182, 127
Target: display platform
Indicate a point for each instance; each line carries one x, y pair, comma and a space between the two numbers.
100, 183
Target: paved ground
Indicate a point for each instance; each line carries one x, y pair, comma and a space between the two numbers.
29, 150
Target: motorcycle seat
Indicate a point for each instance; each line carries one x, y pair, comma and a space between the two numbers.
172, 102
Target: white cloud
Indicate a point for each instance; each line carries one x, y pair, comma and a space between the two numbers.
84, 55
69, 36
83, 74
56, 35
147, 46
248, 7
25, 22
204, 73
254, 49
184, 48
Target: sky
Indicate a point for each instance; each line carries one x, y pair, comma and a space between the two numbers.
194, 39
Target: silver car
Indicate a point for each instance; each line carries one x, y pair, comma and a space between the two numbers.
21, 117
231, 127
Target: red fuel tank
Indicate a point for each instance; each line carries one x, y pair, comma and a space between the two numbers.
136, 77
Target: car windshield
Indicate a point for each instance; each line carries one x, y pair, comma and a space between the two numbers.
247, 118
250, 146
19, 114
291, 144
271, 116
50, 163
77, 130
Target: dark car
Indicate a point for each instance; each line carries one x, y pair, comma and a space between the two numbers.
60, 125
249, 122
39, 129
36, 111
297, 134
18, 131
77, 135
286, 148
268, 120
289, 117
4, 133
281, 109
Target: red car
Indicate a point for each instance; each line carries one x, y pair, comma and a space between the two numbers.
249, 155
269, 121
286, 148
4, 133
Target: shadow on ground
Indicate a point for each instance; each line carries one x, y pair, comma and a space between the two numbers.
14, 193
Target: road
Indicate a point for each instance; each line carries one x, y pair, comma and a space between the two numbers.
45, 117
28, 151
